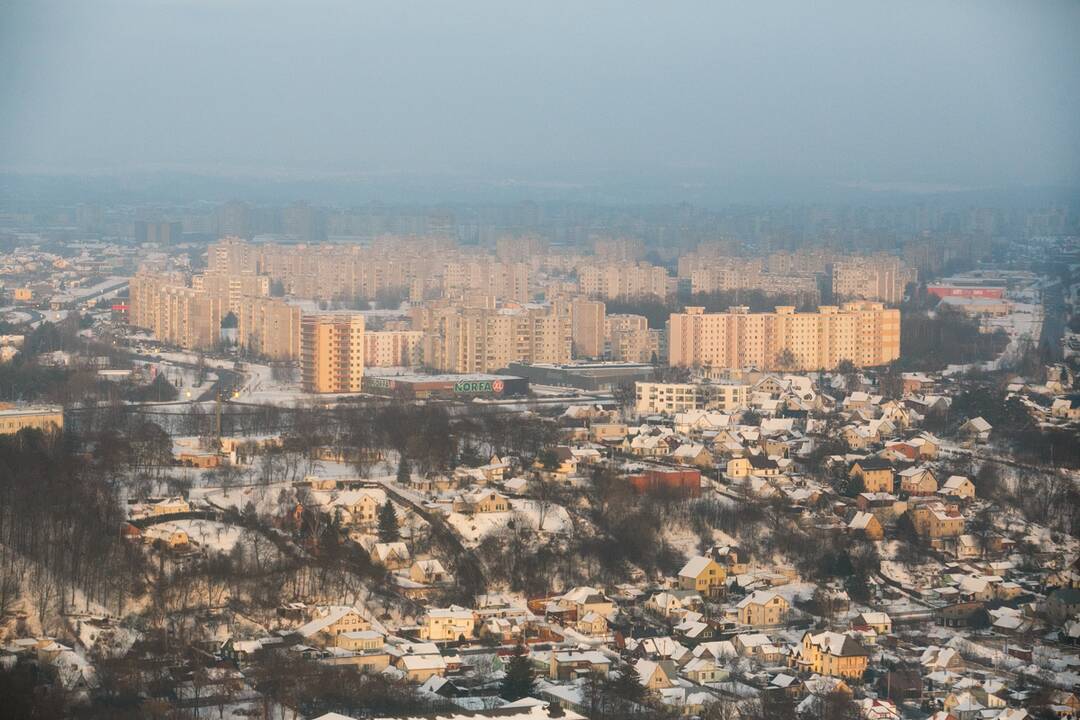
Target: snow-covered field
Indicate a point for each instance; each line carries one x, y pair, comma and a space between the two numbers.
104, 639
263, 497
184, 379
474, 528
1023, 324
208, 534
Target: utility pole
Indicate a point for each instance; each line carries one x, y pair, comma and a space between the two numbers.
217, 418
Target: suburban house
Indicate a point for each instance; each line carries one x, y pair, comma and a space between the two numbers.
671, 603
1062, 603
830, 653
879, 622
592, 624
452, 623
481, 500
738, 467
703, 670
958, 486
580, 601
920, 447
762, 607
915, 382
359, 640
885, 506
572, 664
174, 539
329, 622
976, 429
392, 555
918, 481
704, 575
934, 520
876, 474
731, 558
867, 524
170, 506
428, 572
608, 432
565, 464
763, 466
1066, 407
692, 454
418, 668
860, 437
697, 421
359, 507
656, 675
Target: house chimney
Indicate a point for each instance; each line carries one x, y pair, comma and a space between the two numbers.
555, 709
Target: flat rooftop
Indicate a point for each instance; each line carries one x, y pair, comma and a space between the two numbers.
14, 410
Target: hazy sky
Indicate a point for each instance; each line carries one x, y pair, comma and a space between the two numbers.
978, 93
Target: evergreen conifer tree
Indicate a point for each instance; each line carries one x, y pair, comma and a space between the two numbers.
519, 681
626, 687
388, 523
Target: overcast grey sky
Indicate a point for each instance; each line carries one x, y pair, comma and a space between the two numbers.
968, 93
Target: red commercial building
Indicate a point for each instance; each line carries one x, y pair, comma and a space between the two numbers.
966, 291
652, 479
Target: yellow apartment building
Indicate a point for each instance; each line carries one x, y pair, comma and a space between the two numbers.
865, 333
332, 353
14, 418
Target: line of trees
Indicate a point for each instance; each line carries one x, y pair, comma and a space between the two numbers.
929, 342
59, 527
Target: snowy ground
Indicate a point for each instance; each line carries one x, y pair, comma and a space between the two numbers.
244, 710
184, 379
17, 316
473, 528
105, 640
263, 497
1023, 324
682, 538
208, 534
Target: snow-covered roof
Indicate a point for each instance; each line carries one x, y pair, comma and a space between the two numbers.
331, 616
758, 597
695, 566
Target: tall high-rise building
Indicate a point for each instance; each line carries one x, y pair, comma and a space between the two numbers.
332, 352
233, 286
173, 312
232, 256
502, 281
615, 280
268, 326
618, 250
477, 339
877, 277
161, 233
393, 348
588, 333
629, 339
191, 316
865, 333
234, 219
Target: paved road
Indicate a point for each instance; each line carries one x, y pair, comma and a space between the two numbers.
227, 380
467, 568
1053, 325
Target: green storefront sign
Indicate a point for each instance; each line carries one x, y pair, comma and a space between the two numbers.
478, 386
